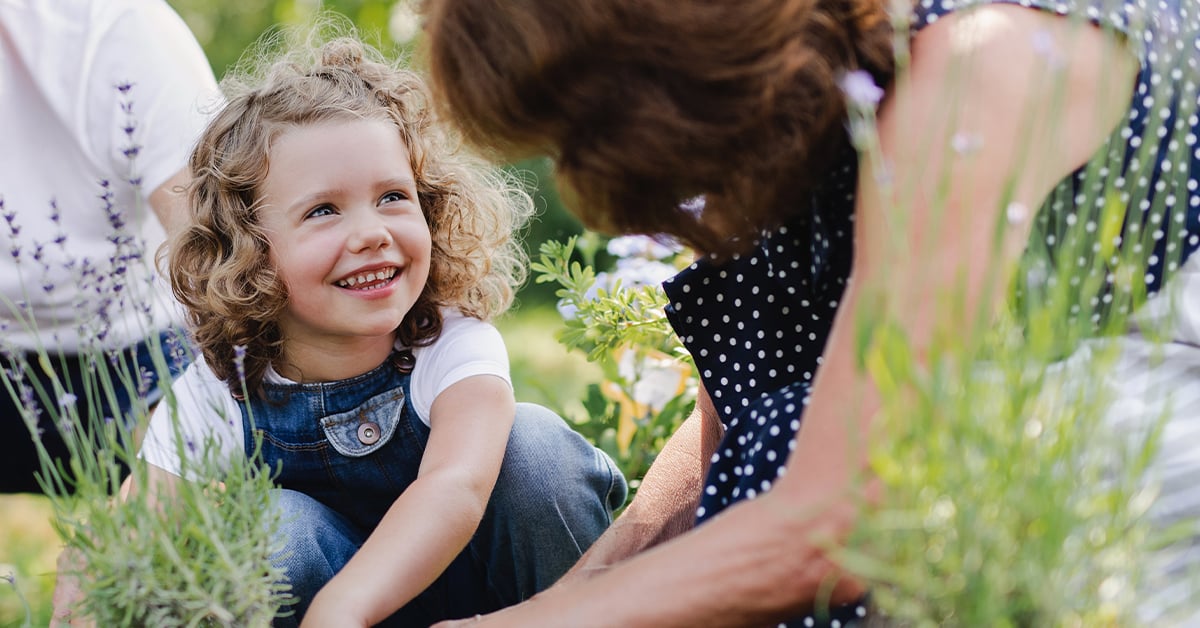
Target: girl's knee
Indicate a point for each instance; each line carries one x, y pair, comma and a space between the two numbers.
313, 542
548, 462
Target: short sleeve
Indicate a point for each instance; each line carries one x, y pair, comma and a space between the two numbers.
206, 419
466, 347
171, 92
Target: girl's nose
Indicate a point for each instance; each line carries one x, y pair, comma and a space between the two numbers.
368, 232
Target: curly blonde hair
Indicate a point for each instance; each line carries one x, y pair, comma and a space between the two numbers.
220, 264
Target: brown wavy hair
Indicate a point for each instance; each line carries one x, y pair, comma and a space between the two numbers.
645, 104
220, 265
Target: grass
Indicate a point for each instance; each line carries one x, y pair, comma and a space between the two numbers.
28, 548
543, 372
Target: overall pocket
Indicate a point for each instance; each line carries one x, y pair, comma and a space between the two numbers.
368, 427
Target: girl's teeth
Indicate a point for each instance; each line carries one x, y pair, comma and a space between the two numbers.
367, 278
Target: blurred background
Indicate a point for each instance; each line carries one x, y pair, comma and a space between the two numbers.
543, 370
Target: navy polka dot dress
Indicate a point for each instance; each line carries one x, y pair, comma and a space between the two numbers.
756, 325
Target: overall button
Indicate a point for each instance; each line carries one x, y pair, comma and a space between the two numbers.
368, 433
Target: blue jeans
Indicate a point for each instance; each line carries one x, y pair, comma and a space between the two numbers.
554, 496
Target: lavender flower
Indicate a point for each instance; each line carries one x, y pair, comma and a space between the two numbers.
145, 381
860, 89
239, 361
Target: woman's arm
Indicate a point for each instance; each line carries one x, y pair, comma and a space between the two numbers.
434, 519
764, 560
666, 502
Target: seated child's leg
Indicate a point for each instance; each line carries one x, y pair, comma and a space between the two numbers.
554, 497
316, 543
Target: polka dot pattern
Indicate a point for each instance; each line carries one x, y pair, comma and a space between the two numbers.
757, 324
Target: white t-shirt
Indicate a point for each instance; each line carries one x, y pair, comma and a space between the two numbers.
206, 409
63, 131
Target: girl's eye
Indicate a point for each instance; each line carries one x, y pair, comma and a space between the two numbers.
320, 210
392, 197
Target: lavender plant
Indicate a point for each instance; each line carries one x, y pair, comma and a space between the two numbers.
1011, 497
200, 557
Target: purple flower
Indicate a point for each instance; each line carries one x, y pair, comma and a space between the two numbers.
239, 361
145, 381
67, 400
860, 89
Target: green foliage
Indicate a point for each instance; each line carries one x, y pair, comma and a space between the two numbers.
649, 383
1008, 496
198, 557
226, 28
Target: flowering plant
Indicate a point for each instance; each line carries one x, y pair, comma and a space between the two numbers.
617, 319
201, 558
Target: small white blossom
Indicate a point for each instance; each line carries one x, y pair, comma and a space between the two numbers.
1016, 213
965, 143
693, 206
1044, 46
640, 246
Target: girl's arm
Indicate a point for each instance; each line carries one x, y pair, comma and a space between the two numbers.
764, 560
434, 519
666, 501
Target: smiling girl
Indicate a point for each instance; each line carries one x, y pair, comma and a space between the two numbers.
338, 272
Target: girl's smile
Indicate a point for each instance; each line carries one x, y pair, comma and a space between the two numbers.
369, 280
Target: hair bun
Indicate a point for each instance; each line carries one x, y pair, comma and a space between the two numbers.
345, 53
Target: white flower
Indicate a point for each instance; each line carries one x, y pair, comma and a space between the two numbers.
634, 272
1046, 47
656, 377
693, 206
860, 89
965, 143
1016, 213
641, 246
403, 23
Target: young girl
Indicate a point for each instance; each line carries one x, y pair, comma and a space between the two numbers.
340, 264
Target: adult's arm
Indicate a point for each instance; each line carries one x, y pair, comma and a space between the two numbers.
766, 560
666, 502
169, 202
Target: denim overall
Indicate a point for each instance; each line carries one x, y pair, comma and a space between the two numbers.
347, 449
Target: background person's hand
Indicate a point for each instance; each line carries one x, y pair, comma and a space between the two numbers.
67, 592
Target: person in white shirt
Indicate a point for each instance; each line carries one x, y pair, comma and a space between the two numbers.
100, 103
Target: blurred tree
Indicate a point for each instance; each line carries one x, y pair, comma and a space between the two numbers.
226, 28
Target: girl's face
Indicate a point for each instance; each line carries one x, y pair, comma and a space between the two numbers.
347, 234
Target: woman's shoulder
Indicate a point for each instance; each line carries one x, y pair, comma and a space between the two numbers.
1120, 15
